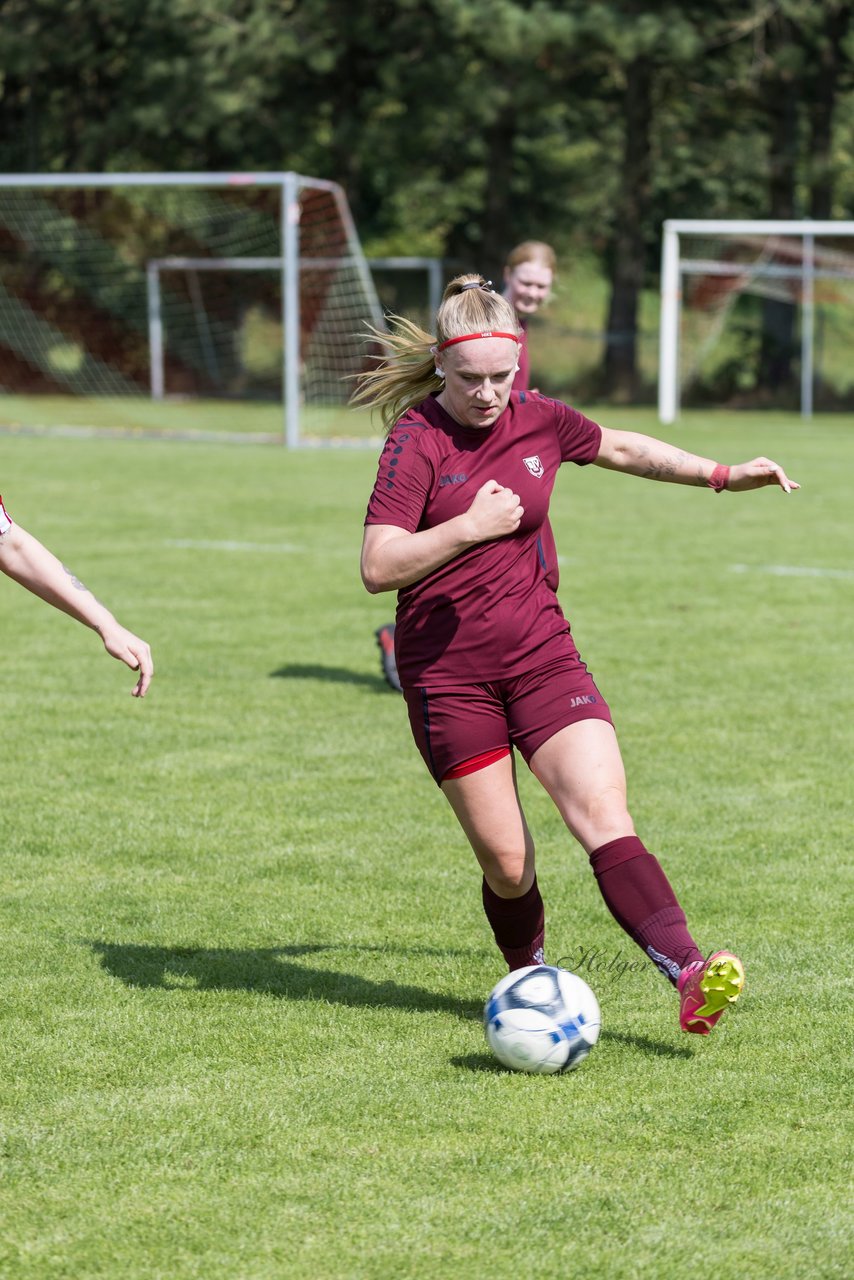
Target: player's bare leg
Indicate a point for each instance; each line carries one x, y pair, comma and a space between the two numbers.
489, 810
490, 813
582, 770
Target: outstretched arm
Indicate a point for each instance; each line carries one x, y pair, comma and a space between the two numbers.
656, 460
23, 558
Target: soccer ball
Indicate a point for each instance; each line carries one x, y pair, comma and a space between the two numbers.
541, 1019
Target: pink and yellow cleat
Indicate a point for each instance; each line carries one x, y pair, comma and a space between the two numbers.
706, 989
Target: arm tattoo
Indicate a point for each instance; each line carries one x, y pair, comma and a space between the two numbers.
75, 582
672, 465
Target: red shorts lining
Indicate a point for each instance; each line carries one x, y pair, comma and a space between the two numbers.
476, 763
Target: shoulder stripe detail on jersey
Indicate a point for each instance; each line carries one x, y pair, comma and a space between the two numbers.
407, 435
407, 421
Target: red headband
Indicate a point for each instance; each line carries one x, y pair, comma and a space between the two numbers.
487, 333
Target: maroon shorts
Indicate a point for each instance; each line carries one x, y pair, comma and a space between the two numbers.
459, 722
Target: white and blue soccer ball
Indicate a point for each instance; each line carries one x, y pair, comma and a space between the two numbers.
541, 1019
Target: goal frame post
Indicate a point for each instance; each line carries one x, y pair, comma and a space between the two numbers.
674, 267
154, 267
290, 184
432, 266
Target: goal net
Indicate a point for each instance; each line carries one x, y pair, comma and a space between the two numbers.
184, 286
756, 314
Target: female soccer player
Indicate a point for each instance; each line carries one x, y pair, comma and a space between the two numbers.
529, 273
25, 560
485, 655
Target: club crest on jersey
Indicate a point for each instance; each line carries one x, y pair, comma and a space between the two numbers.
535, 467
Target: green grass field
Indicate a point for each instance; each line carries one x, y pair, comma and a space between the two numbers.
261, 422
243, 954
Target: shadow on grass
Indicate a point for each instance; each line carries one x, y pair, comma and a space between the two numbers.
484, 1062
332, 675
268, 970
480, 1062
655, 1048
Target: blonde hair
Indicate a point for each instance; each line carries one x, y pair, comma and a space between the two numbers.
532, 251
407, 374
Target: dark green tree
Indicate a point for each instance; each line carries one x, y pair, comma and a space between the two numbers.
458, 126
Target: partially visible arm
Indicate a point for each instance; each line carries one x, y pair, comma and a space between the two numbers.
24, 559
393, 557
653, 459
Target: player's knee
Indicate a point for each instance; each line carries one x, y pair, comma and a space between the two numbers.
506, 857
510, 880
601, 818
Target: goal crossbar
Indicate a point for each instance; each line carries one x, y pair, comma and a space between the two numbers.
361, 300
810, 262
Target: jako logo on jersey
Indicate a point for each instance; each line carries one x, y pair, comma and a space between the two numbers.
535, 467
457, 479
583, 701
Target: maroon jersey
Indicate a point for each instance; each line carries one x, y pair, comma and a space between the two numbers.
491, 612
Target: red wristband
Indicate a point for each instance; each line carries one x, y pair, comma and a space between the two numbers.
719, 479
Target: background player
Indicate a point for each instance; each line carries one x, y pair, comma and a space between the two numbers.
485, 655
26, 560
529, 274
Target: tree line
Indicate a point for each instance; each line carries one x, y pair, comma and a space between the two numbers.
458, 127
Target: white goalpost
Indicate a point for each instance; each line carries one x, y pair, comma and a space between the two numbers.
183, 286
708, 265
427, 273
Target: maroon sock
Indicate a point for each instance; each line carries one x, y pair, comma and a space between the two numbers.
641, 900
518, 925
